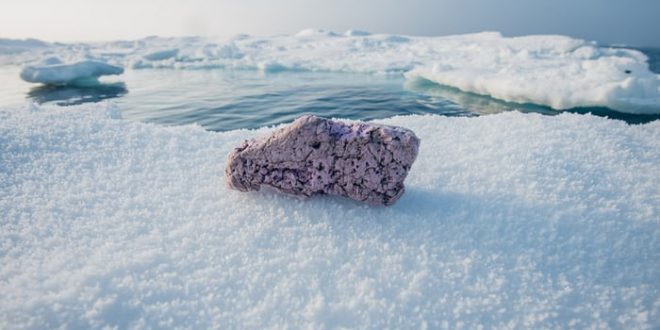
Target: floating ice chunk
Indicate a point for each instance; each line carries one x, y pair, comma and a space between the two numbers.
574, 85
240, 36
554, 71
80, 73
50, 61
228, 51
26, 43
161, 55
316, 33
356, 33
13, 46
270, 66
395, 38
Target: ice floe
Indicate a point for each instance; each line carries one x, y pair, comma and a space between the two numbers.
161, 55
509, 221
12, 46
53, 72
356, 33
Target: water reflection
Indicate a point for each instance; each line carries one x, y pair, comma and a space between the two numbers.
73, 95
475, 103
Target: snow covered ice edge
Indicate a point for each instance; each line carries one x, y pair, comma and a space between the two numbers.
555, 71
510, 221
83, 73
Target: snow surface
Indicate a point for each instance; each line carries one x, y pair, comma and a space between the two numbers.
556, 71
53, 72
509, 221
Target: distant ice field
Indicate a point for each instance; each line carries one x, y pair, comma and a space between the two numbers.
553, 73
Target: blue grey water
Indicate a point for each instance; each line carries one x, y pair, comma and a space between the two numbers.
222, 100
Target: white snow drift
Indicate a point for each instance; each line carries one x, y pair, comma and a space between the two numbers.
555, 71
509, 221
53, 72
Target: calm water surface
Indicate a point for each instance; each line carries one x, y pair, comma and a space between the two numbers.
222, 100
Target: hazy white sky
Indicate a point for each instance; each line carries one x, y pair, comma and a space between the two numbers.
633, 22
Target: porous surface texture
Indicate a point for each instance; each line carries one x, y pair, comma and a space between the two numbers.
363, 161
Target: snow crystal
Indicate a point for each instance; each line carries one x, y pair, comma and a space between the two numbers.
52, 72
509, 221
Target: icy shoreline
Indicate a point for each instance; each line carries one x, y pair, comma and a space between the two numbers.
556, 71
511, 220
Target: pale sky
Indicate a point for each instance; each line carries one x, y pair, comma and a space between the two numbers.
631, 22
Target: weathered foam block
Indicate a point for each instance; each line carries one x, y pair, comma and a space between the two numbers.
363, 161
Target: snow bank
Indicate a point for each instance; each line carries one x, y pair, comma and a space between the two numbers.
555, 71
509, 221
53, 72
